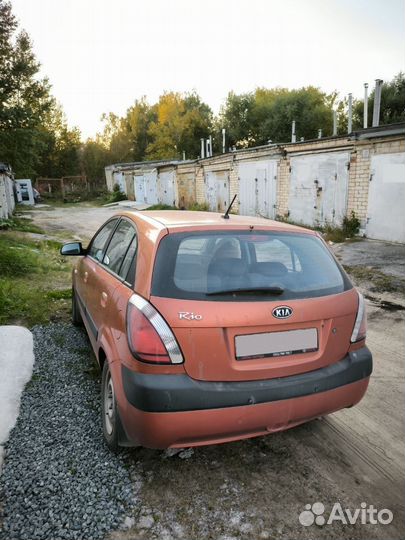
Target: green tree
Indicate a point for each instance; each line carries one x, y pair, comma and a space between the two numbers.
60, 155
138, 119
267, 114
94, 156
34, 136
181, 121
236, 117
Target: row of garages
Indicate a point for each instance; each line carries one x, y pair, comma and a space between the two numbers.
313, 183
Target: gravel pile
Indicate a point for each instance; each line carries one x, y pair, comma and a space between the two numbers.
59, 480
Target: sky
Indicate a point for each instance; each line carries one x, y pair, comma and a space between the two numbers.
101, 55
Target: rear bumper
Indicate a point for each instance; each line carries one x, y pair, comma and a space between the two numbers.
156, 414
175, 393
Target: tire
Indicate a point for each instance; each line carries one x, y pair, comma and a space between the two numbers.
76, 315
109, 413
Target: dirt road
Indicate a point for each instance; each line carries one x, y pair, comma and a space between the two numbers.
256, 489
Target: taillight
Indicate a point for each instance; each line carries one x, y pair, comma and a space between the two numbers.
149, 336
360, 326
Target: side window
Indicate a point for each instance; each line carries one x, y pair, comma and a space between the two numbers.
98, 244
118, 246
127, 270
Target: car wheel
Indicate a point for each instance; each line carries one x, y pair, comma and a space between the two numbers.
109, 412
76, 315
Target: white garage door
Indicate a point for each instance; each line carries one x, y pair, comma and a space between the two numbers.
139, 185
166, 188
318, 188
257, 188
217, 190
151, 187
385, 212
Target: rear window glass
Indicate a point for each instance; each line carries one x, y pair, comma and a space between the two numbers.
245, 265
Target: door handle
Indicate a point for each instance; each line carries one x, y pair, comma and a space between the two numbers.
104, 298
86, 275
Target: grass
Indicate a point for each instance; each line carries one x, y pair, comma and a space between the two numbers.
19, 224
199, 207
35, 281
350, 227
381, 282
161, 207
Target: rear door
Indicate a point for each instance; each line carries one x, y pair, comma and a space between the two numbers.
247, 334
108, 274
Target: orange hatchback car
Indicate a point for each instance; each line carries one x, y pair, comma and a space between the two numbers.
210, 330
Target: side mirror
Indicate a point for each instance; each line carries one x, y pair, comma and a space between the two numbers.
72, 248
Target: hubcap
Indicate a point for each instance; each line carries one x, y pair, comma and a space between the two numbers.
109, 404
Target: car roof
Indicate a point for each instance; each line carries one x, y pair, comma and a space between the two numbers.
176, 219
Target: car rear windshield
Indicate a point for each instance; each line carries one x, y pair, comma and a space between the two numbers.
245, 265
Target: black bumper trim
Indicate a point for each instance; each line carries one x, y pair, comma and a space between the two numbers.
173, 393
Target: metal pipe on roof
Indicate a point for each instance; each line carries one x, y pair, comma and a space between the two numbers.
377, 102
319, 133
334, 123
210, 145
207, 147
223, 140
365, 110
202, 149
350, 115
293, 135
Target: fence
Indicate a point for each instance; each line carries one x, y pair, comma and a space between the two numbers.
65, 187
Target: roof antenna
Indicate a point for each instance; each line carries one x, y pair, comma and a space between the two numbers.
226, 215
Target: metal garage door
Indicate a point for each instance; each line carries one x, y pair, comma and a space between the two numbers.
166, 188
257, 188
151, 187
318, 188
186, 189
139, 185
385, 212
217, 190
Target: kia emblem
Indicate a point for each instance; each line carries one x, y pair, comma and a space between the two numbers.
282, 312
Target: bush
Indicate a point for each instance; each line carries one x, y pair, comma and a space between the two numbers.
161, 207
117, 195
199, 207
351, 225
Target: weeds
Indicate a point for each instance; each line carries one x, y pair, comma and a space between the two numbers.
116, 195
35, 283
350, 227
199, 207
19, 224
161, 207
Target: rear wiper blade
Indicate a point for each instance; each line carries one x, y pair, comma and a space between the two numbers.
269, 290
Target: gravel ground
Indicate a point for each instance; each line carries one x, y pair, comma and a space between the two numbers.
59, 479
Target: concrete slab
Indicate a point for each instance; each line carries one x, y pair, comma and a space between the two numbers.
16, 362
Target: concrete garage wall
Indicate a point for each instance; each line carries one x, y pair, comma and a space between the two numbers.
7, 202
310, 182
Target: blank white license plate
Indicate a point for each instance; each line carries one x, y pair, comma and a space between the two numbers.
276, 343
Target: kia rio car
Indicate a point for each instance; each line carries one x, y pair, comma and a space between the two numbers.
210, 330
